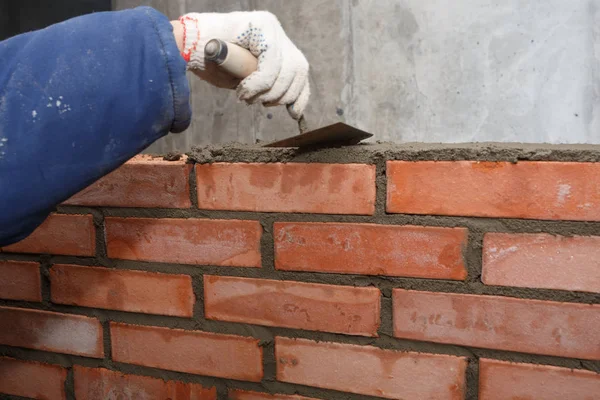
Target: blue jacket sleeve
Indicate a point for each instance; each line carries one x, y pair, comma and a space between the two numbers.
77, 100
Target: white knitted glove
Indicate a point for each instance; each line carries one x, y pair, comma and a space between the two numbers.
282, 75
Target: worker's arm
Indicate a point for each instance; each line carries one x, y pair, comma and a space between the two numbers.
79, 98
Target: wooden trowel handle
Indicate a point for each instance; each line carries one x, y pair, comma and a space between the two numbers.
237, 62
231, 58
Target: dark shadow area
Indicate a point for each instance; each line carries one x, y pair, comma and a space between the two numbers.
20, 16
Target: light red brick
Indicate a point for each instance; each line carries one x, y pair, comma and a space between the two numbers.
20, 280
542, 261
310, 306
499, 380
536, 190
414, 251
246, 395
100, 383
293, 187
194, 352
141, 182
51, 331
369, 370
32, 379
71, 235
124, 290
503, 323
232, 243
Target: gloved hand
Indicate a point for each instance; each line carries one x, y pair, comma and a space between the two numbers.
282, 75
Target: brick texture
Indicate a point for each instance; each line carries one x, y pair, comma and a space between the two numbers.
72, 235
201, 353
537, 190
326, 308
369, 370
135, 291
186, 241
293, 187
141, 182
246, 395
99, 383
504, 323
542, 261
499, 380
20, 281
414, 251
50, 331
32, 379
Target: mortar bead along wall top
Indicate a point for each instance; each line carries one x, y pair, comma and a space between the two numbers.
359, 276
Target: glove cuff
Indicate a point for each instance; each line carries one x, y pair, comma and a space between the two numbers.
191, 36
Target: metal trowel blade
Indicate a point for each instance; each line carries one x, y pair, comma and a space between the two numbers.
338, 134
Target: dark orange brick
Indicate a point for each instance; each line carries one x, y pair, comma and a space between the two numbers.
32, 379
72, 235
20, 281
369, 370
311, 306
100, 383
537, 190
503, 323
194, 352
500, 380
141, 182
246, 395
186, 241
51, 331
293, 187
415, 251
542, 261
135, 291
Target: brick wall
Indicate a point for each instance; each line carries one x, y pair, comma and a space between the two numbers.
373, 278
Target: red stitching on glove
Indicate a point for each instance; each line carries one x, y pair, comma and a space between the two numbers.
188, 54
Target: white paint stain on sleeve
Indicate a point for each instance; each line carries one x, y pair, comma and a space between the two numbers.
34, 113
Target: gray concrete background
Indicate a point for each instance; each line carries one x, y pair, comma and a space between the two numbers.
421, 71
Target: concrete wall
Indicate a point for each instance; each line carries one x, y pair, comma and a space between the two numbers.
428, 71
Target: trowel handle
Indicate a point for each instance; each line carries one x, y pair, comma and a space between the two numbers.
231, 58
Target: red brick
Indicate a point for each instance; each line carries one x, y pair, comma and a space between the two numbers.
537, 190
32, 379
415, 251
232, 243
51, 331
503, 323
369, 370
194, 352
317, 307
246, 395
20, 281
100, 383
141, 182
135, 291
71, 235
542, 261
294, 187
499, 380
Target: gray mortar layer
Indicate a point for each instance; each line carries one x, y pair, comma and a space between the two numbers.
373, 154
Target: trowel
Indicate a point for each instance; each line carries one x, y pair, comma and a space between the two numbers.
239, 63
